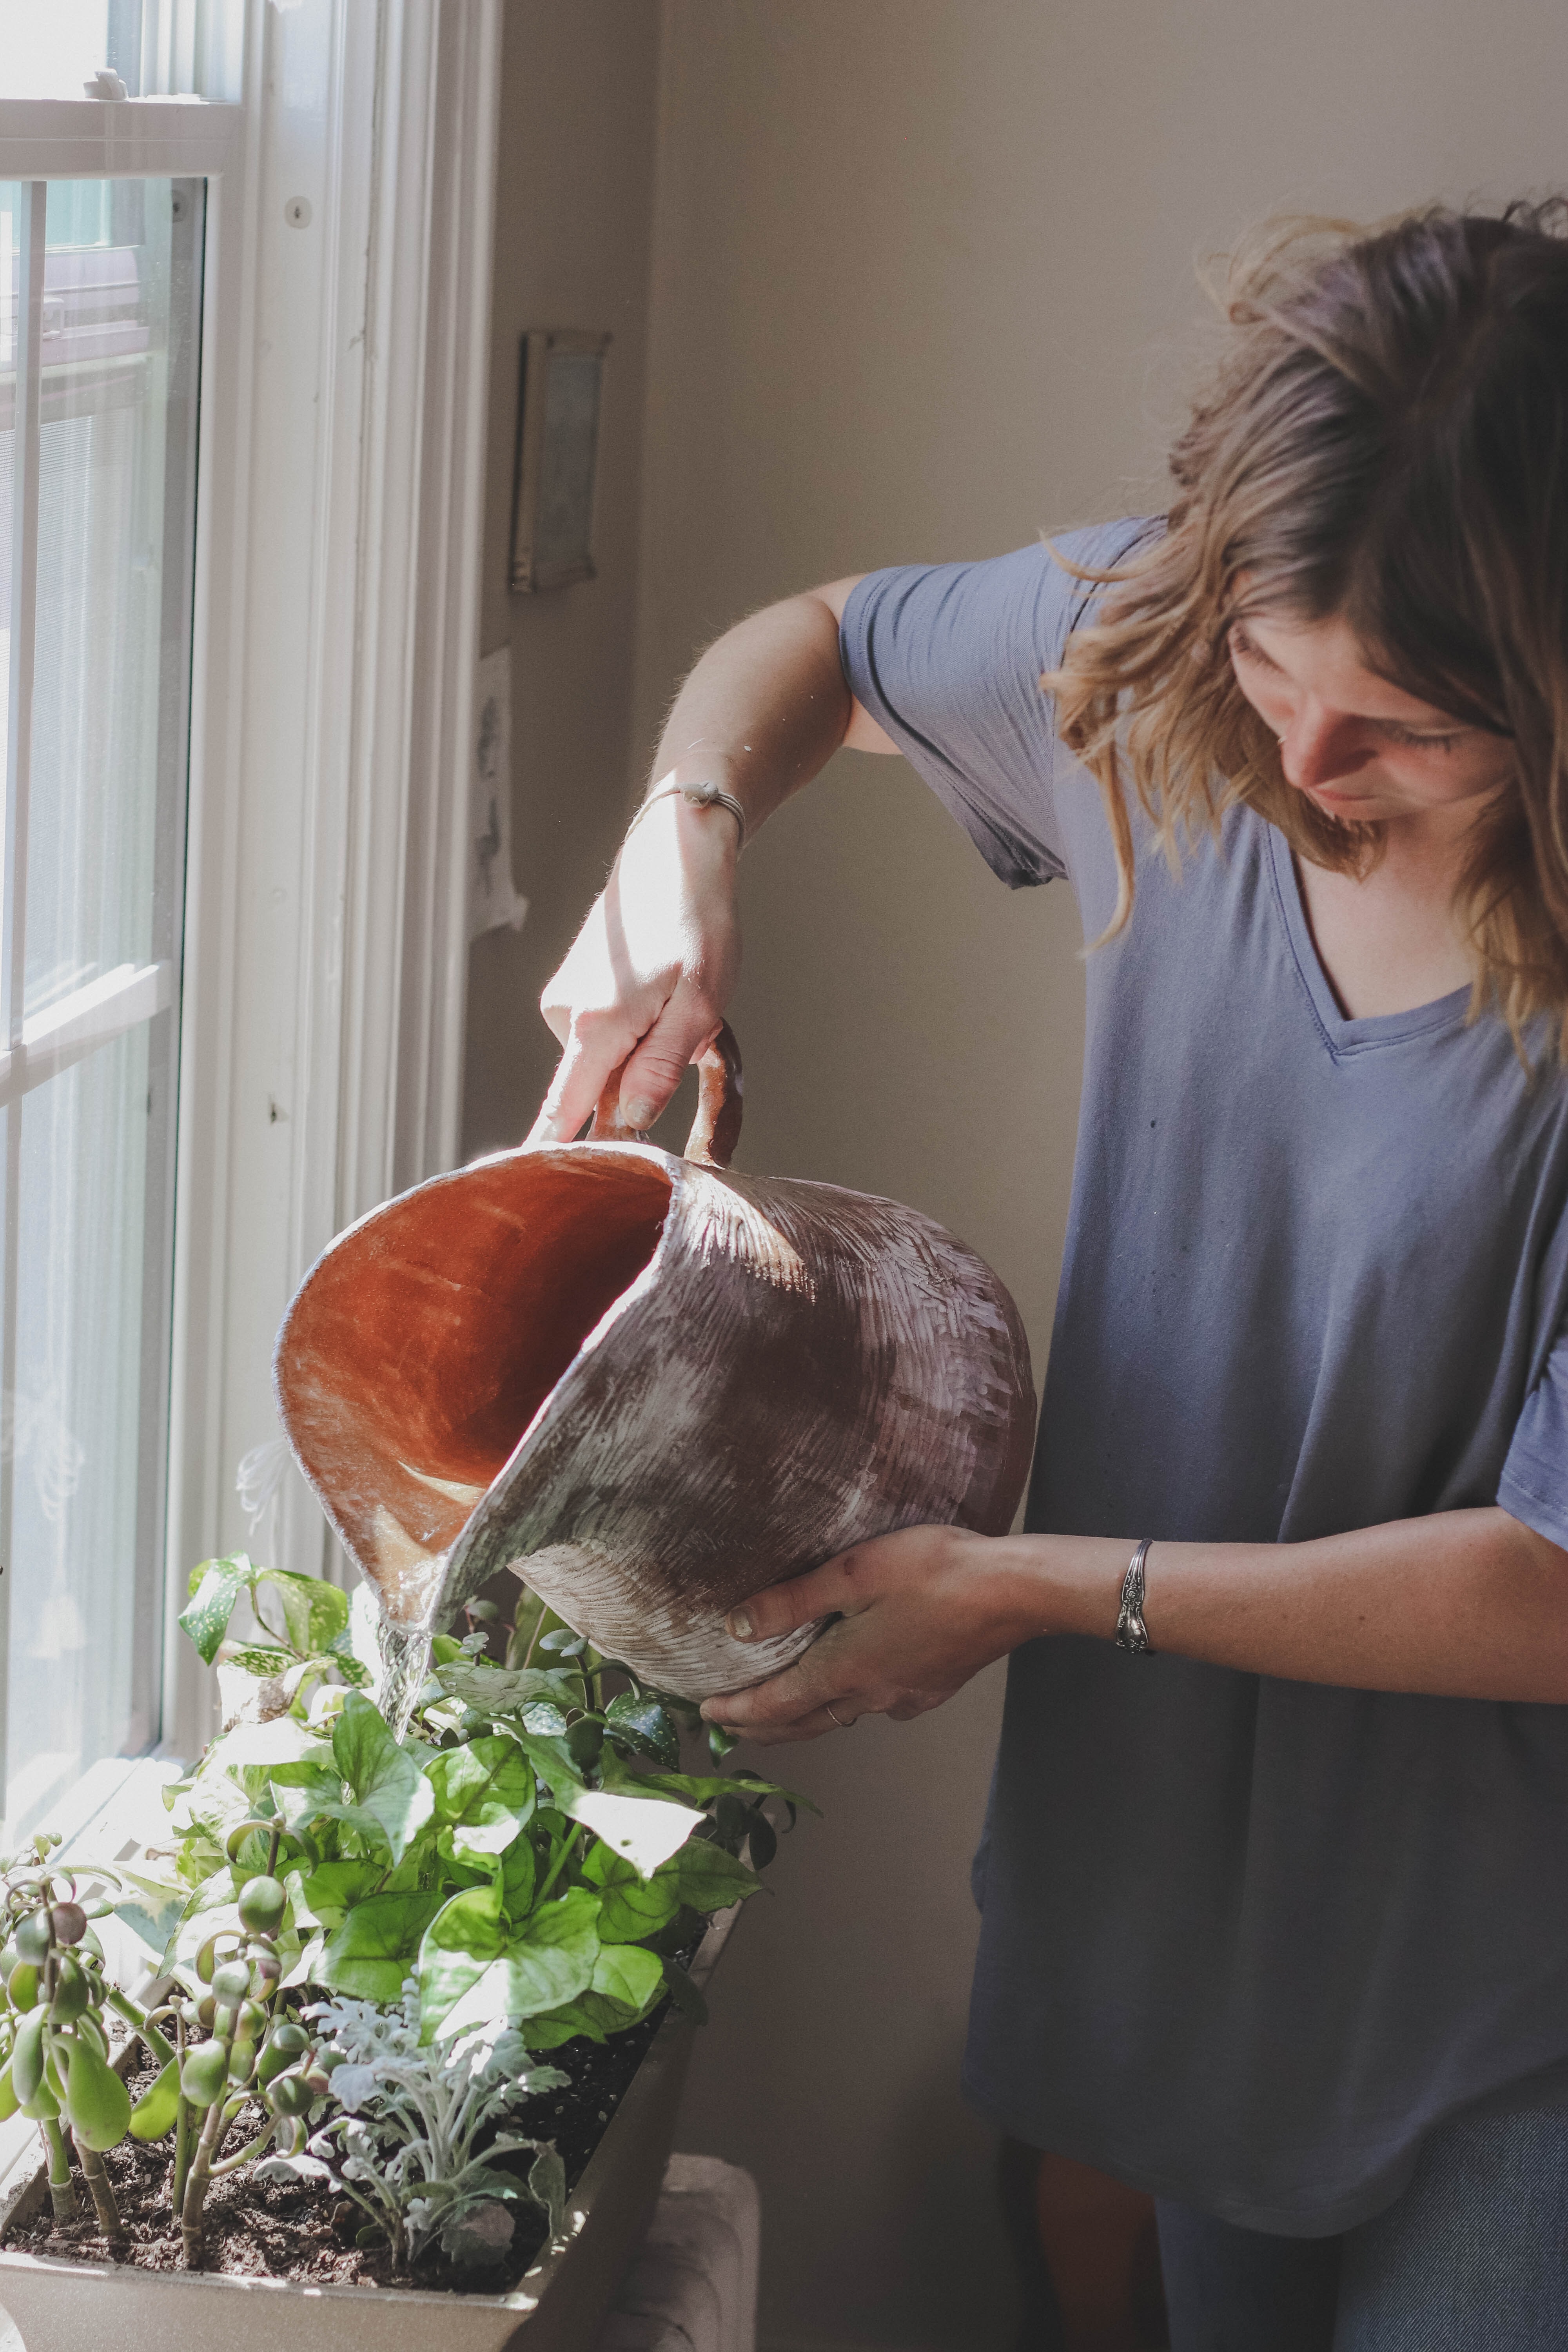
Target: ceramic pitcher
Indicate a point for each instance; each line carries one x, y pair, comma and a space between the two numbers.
650, 1385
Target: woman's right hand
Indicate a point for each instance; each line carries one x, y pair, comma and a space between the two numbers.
645, 981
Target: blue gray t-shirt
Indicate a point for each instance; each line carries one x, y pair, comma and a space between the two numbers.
1245, 1940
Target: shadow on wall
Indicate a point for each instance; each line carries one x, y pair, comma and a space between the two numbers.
831, 2060
940, 2171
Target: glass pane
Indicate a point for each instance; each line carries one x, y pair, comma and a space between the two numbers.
50, 50
83, 1591
87, 1109
111, 363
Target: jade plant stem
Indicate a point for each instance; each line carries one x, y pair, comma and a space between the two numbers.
192, 2207
246, 2155
181, 2154
100, 2189
193, 2216
62, 2196
140, 2023
181, 2105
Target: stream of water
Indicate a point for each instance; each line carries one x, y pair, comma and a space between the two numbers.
404, 1654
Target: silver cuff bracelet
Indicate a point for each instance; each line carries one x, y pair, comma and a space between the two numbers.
700, 796
1131, 1634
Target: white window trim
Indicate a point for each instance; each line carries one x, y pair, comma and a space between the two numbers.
340, 531
76, 1025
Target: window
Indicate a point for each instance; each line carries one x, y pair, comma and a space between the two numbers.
243, 361
98, 371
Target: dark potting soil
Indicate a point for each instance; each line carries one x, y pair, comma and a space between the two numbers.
273, 2229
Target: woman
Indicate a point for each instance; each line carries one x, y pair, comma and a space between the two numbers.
1275, 1913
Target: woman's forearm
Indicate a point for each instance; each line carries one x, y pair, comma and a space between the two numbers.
649, 976
1471, 1604
1464, 1604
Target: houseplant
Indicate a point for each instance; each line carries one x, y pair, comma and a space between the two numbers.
509, 1888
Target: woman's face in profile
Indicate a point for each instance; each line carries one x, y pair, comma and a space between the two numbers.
1364, 749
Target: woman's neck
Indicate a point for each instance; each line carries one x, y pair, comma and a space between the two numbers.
1391, 940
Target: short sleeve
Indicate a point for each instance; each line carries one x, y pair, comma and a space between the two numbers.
947, 659
1534, 1483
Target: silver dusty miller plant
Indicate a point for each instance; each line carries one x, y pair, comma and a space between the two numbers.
402, 2146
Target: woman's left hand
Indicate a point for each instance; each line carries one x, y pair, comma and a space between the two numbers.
919, 1611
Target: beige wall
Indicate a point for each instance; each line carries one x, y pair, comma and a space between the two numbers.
573, 207
922, 282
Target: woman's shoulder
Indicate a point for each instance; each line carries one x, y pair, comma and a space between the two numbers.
974, 638
948, 658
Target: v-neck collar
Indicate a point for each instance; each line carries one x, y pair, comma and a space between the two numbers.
1341, 1035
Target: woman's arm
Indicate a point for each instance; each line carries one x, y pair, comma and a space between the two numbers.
1464, 1604
647, 978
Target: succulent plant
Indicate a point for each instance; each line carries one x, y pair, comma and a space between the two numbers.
53, 2031
249, 2051
405, 2147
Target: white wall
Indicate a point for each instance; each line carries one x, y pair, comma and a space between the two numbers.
573, 203
922, 283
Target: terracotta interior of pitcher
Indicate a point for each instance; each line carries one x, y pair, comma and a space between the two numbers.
414, 1367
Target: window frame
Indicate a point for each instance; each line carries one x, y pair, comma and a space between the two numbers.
338, 547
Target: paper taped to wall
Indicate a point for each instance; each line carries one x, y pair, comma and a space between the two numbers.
493, 899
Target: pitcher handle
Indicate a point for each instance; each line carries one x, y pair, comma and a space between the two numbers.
715, 1130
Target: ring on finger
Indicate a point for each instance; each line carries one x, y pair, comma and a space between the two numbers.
838, 1720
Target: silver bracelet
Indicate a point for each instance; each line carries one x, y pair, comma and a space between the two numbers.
1131, 1634
707, 795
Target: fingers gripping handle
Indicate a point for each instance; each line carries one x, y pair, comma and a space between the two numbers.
716, 1129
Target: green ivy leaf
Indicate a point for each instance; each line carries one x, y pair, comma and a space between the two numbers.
700, 1790
485, 1794
386, 1780
301, 1909
561, 2025
340, 1650
597, 2017
630, 1908
640, 1722
152, 1911
645, 1831
216, 1586
685, 1995
520, 1876
559, 1775
264, 1663
314, 1611
545, 1717
376, 1946
548, 1962
507, 1690
303, 1796
338, 1886
707, 1878
466, 1935
625, 1973
271, 1745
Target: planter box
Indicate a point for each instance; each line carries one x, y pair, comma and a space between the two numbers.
558, 2306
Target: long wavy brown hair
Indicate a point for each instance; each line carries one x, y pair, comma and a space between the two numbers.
1386, 439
